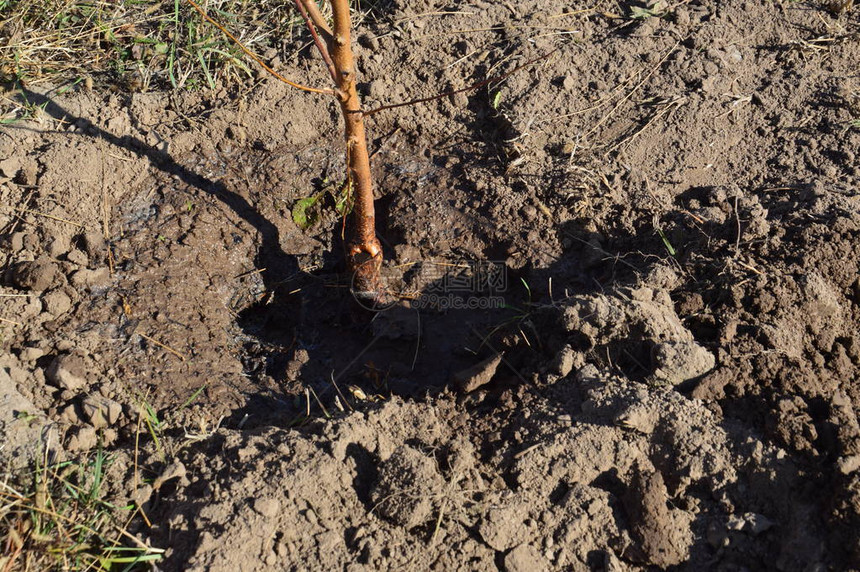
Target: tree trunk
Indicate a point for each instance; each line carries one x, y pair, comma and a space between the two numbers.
363, 250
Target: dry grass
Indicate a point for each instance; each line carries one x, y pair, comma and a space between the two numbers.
137, 44
55, 517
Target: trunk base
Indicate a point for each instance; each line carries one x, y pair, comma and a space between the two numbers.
363, 263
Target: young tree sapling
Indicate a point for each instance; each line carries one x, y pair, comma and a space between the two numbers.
363, 250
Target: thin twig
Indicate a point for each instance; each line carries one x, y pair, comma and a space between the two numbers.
750, 267
16, 220
438, 525
316, 397
255, 57
635, 88
135, 474
738, 219
456, 91
37, 213
164, 346
342, 396
526, 451
250, 273
417, 340
674, 104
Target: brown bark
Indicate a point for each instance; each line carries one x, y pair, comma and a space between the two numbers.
318, 20
363, 250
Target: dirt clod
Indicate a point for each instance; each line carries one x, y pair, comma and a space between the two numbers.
525, 558
92, 279
175, 470
94, 245
267, 507
679, 362
503, 528
37, 275
661, 540
20, 423
100, 412
68, 371
565, 361
470, 379
56, 303
83, 438
408, 488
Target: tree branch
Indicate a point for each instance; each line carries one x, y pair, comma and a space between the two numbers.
318, 19
321, 47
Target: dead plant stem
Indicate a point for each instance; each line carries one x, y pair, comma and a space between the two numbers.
163, 346
41, 214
